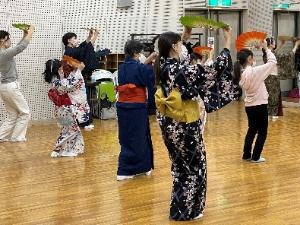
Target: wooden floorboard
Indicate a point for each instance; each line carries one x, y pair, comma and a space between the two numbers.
35, 189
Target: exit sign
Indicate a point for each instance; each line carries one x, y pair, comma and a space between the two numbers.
281, 6
219, 3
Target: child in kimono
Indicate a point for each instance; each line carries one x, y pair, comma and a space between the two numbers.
66, 79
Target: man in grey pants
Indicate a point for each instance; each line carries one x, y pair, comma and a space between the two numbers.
18, 115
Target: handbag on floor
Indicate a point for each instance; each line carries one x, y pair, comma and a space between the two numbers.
108, 113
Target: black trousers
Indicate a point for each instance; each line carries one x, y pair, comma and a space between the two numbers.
257, 125
89, 89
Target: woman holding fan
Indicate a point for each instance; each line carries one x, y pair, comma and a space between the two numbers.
251, 78
182, 84
18, 114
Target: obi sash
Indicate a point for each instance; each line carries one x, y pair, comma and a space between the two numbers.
130, 93
173, 106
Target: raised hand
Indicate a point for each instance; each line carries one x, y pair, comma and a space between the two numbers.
151, 58
187, 32
30, 30
227, 36
227, 32
264, 44
296, 46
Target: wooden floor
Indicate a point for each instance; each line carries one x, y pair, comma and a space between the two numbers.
35, 189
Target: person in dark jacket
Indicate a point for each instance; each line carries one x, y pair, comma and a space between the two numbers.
84, 53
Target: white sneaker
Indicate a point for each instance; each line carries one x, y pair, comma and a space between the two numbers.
55, 154
68, 154
274, 118
145, 173
89, 127
124, 177
198, 217
260, 160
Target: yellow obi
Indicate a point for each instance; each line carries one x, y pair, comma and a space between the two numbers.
173, 106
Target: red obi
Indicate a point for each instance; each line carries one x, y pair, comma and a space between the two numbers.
130, 93
59, 99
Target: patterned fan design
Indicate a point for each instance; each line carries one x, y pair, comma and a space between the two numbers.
202, 50
21, 26
200, 21
250, 40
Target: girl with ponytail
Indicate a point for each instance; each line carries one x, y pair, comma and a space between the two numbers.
251, 78
69, 96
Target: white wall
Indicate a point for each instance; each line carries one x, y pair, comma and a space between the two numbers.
52, 19
260, 16
115, 24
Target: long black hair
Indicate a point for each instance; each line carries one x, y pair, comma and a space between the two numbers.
242, 57
51, 70
165, 42
270, 41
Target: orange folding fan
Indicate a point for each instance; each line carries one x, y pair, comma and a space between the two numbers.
250, 40
202, 50
71, 61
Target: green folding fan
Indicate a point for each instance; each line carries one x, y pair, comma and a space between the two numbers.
200, 21
21, 26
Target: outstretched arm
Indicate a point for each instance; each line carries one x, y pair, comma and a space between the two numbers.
94, 36
21, 46
296, 46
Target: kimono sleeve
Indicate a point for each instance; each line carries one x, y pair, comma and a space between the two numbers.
146, 77
219, 89
213, 84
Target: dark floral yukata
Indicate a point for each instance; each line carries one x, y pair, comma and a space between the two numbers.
184, 140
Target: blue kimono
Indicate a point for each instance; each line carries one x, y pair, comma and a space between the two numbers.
136, 154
